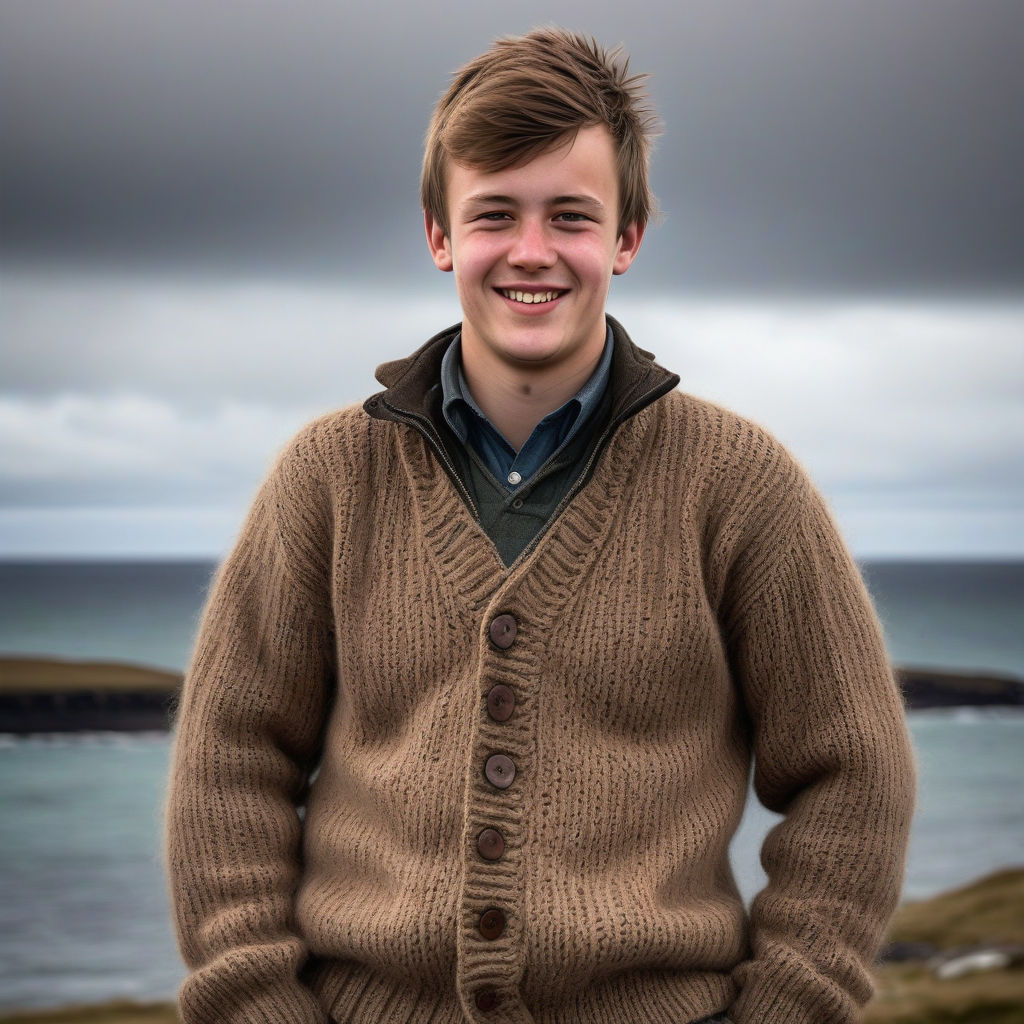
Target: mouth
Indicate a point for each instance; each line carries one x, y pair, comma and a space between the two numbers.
533, 297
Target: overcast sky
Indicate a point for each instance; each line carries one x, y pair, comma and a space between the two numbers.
210, 232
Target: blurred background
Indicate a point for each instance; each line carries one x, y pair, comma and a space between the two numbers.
210, 233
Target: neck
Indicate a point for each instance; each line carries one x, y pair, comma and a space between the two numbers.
516, 399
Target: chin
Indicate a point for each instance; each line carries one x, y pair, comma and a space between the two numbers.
534, 351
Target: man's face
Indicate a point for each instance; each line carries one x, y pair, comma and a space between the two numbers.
533, 249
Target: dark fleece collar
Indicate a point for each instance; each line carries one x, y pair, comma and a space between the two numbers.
412, 382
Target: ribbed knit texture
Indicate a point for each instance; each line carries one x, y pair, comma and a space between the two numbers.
692, 606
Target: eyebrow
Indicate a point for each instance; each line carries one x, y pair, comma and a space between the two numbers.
482, 199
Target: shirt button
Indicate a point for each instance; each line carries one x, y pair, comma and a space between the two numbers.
515, 478
492, 923
500, 702
486, 999
490, 843
503, 631
500, 770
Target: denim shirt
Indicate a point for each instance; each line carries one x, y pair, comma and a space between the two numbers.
550, 436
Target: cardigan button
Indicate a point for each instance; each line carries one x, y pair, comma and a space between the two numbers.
492, 923
486, 999
500, 702
500, 770
503, 631
490, 843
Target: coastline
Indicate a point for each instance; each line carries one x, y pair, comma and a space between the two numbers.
26, 675
46, 695
925, 687
906, 987
50, 695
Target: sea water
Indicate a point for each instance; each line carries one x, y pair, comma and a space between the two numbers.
961, 615
83, 907
82, 894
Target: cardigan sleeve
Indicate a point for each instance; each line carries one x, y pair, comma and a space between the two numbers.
249, 728
831, 754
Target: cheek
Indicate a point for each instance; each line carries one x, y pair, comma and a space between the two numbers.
592, 260
473, 263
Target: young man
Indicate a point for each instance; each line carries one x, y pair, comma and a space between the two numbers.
524, 618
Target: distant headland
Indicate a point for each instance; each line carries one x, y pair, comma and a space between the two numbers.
939, 688
53, 695
40, 695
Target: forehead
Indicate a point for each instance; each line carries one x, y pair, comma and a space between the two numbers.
584, 166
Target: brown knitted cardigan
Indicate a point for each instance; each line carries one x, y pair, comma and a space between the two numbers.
692, 606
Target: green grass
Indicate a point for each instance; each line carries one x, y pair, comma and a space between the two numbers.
913, 995
989, 910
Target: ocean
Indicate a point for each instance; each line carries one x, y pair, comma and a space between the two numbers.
83, 908
964, 615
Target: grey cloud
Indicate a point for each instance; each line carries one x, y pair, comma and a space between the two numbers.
200, 342
807, 147
136, 391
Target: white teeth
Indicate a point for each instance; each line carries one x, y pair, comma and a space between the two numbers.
529, 297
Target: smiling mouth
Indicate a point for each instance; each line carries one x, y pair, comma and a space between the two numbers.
530, 298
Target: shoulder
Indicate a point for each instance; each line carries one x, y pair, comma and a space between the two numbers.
331, 432
308, 490
731, 452
328, 449
751, 498
757, 507
311, 474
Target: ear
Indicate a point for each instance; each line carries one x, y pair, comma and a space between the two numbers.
629, 246
437, 240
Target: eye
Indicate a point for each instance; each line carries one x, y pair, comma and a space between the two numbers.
571, 217
493, 215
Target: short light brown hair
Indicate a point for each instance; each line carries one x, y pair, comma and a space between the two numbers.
526, 95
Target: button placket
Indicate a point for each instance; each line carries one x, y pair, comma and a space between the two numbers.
499, 771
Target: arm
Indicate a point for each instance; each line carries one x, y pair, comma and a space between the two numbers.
248, 734
832, 754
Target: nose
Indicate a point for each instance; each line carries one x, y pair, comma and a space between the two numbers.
531, 246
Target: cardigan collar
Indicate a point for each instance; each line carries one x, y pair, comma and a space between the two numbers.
413, 383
